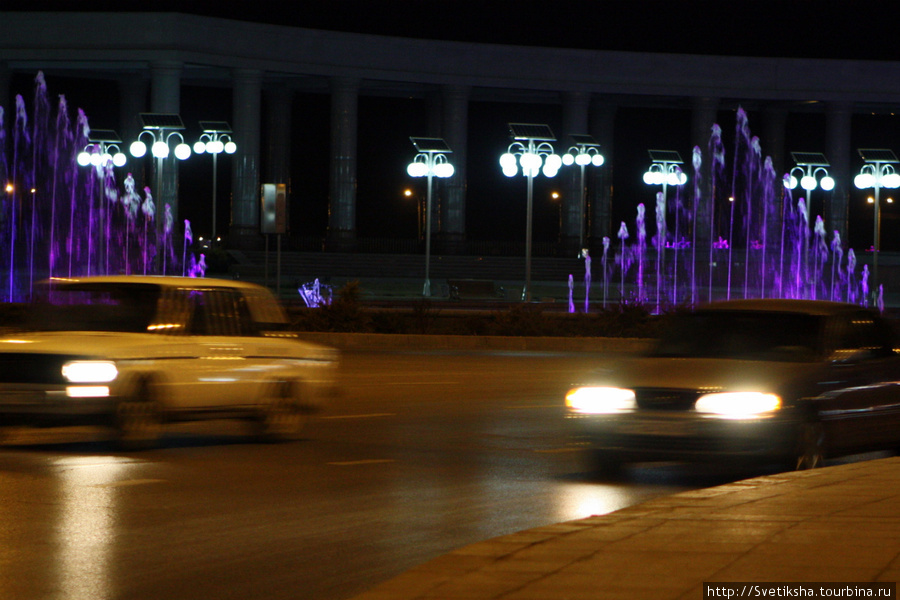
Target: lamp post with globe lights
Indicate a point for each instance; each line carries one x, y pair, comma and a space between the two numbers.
532, 150
162, 129
877, 172
809, 165
665, 170
215, 139
431, 161
101, 152
585, 151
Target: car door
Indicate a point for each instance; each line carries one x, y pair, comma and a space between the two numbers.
862, 409
220, 378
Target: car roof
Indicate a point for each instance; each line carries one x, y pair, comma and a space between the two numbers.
159, 280
811, 307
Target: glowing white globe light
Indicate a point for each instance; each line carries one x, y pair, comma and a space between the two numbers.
159, 149
597, 160
530, 162
568, 159
96, 159
583, 160
553, 161
443, 170
417, 169
138, 149
215, 147
827, 183
808, 182
672, 179
199, 147
182, 151
510, 171
791, 182
864, 180
682, 178
508, 160
550, 170
891, 180
230, 147
83, 158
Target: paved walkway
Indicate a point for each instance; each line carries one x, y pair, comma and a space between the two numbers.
837, 524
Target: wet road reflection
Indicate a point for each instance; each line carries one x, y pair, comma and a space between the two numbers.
421, 454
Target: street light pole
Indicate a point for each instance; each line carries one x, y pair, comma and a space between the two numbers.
430, 162
665, 170
809, 165
214, 139
532, 145
586, 151
878, 172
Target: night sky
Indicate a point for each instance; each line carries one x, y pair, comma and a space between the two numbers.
495, 204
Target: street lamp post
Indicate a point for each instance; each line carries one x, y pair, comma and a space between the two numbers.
878, 172
162, 129
532, 145
664, 170
214, 139
101, 152
431, 161
810, 165
586, 151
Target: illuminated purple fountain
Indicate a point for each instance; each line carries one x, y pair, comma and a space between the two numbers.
762, 242
59, 219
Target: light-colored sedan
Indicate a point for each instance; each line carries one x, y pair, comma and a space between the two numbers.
135, 352
786, 381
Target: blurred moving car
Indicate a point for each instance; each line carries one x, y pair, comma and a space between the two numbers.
133, 352
777, 381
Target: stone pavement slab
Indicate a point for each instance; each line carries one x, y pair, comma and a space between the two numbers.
836, 524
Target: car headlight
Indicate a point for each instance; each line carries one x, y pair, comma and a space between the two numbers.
600, 400
738, 405
90, 371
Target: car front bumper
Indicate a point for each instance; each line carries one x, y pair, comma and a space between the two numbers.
682, 436
42, 404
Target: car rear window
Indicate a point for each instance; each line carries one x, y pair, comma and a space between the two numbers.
742, 335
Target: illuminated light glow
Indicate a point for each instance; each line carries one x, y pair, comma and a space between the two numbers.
230, 147
417, 169
891, 180
159, 149
87, 391
601, 400
199, 147
89, 371
582, 160
597, 160
443, 170
808, 182
164, 326
738, 405
138, 149
508, 160
568, 160
827, 183
17, 342
182, 151
119, 159
864, 180
84, 159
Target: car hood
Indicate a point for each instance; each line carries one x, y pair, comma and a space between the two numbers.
712, 374
82, 343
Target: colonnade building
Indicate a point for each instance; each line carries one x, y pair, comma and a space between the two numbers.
153, 55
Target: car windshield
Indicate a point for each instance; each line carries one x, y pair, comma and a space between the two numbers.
742, 335
95, 307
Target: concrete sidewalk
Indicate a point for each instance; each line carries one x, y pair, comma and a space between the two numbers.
836, 524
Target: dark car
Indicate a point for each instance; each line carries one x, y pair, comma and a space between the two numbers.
776, 381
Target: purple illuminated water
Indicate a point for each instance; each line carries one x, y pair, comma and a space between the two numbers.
760, 241
58, 219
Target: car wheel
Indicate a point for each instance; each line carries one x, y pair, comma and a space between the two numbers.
810, 451
282, 415
138, 422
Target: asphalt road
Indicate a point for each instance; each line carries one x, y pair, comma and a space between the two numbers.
420, 454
